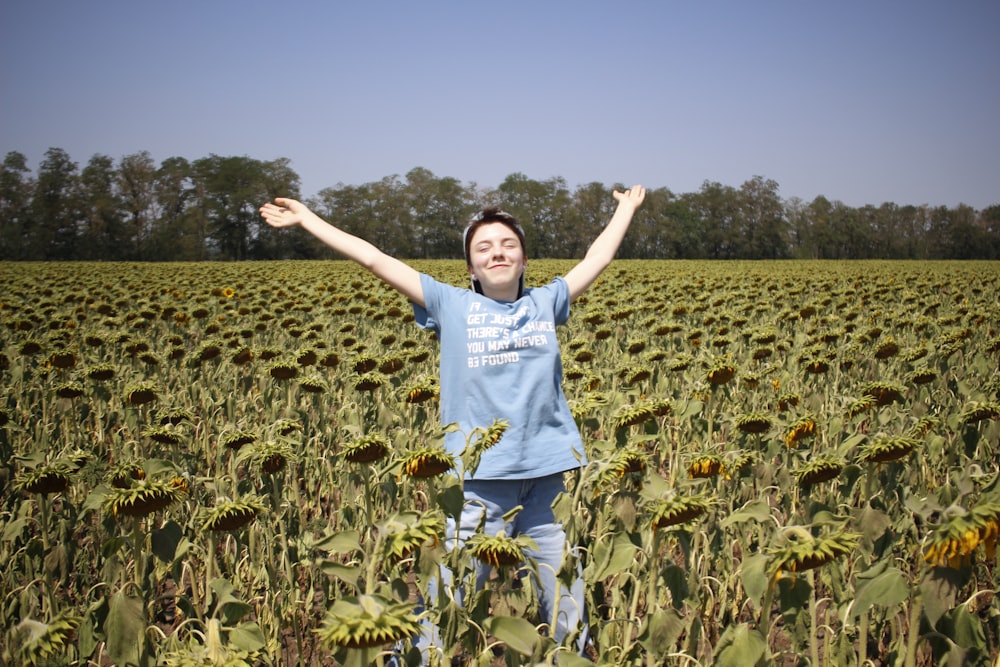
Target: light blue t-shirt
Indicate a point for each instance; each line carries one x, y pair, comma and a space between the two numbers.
501, 360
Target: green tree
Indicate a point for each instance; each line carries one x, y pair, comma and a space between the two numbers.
101, 237
55, 209
717, 209
763, 228
137, 188
439, 209
542, 207
16, 188
178, 228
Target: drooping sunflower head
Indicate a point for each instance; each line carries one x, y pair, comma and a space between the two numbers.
798, 550
499, 550
885, 449
721, 373
953, 543
143, 497
370, 381
818, 471
408, 531
141, 393
704, 465
268, 456
367, 449
885, 393
231, 514
977, 411
427, 462
491, 435
678, 510
44, 480
803, 427
754, 422
236, 439
37, 643
367, 621
422, 391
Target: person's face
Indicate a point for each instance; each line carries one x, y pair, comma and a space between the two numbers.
496, 260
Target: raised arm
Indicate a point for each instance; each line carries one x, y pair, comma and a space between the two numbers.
289, 212
604, 247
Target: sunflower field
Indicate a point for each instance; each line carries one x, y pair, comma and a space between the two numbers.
790, 463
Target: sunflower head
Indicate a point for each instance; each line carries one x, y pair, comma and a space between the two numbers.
883, 450
500, 550
143, 497
368, 621
427, 462
802, 428
678, 510
44, 480
367, 449
704, 466
799, 550
754, 422
818, 471
954, 542
231, 515
408, 531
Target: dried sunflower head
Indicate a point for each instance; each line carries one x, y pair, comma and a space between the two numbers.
802, 428
799, 550
44, 480
674, 511
367, 621
408, 531
232, 514
978, 411
500, 550
704, 466
422, 391
269, 456
143, 497
885, 393
818, 471
885, 449
427, 462
720, 373
36, 643
953, 542
367, 449
370, 381
755, 422
141, 393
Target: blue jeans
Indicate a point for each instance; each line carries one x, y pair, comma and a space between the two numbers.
537, 521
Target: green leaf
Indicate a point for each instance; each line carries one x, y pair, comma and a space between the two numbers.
740, 646
753, 573
611, 557
247, 637
757, 510
881, 586
663, 628
164, 541
125, 627
346, 573
517, 633
343, 542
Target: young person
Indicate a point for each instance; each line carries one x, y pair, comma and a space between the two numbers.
499, 359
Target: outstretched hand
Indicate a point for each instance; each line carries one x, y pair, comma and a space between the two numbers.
632, 197
284, 212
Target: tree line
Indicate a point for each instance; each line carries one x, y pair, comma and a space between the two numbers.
206, 209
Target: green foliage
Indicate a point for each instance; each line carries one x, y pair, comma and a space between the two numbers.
200, 510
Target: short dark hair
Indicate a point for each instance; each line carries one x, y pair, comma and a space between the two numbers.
486, 216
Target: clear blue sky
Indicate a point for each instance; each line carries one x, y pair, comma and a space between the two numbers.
860, 101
